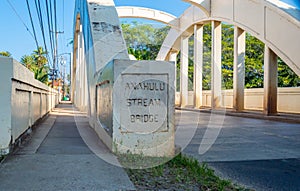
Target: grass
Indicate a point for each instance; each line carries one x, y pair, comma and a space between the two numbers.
180, 173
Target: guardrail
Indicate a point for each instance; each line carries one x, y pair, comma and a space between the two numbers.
288, 99
23, 101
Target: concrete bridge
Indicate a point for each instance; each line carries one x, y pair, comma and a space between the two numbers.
98, 41
100, 52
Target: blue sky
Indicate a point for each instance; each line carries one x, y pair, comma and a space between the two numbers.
16, 39
295, 3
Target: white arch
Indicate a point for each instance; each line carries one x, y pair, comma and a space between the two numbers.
202, 4
146, 13
266, 21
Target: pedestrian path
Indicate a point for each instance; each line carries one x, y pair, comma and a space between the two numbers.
57, 158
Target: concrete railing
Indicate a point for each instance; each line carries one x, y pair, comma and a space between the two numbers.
288, 99
23, 101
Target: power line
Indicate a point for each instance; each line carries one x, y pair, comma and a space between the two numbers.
40, 18
28, 8
55, 18
49, 26
63, 14
51, 29
20, 18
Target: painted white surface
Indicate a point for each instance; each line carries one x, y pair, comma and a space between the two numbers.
100, 56
147, 138
146, 13
287, 100
272, 25
23, 100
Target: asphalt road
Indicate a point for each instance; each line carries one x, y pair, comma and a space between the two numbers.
256, 153
263, 174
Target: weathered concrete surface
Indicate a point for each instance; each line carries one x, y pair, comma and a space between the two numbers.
143, 107
21, 92
261, 154
60, 160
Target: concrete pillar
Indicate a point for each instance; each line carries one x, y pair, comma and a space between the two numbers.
270, 82
216, 63
81, 79
184, 63
41, 105
173, 58
198, 65
239, 68
31, 109
78, 73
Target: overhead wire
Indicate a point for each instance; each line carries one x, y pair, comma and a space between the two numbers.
51, 31
55, 28
49, 27
41, 23
47, 24
31, 20
20, 18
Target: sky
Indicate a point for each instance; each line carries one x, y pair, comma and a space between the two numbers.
15, 38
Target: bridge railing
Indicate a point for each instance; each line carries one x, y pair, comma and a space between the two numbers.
23, 101
287, 99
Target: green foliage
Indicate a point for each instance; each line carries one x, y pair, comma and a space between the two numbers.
206, 57
254, 59
144, 42
286, 76
5, 53
227, 56
37, 63
180, 173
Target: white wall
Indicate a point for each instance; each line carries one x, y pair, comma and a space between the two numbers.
288, 99
23, 101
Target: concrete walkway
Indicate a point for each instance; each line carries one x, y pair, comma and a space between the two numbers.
56, 158
261, 154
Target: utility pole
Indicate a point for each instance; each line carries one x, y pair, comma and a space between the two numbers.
55, 55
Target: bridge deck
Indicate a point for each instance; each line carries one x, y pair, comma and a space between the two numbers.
260, 154
57, 158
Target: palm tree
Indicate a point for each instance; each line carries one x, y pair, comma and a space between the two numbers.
41, 74
39, 57
28, 62
5, 53
37, 63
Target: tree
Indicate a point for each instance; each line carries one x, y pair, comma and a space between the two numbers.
37, 63
28, 62
5, 53
41, 74
286, 76
39, 57
144, 42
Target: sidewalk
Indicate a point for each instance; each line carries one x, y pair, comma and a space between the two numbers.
57, 158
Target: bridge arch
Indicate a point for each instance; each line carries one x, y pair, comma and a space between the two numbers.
204, 5
267, 21
261, 19
146, 13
